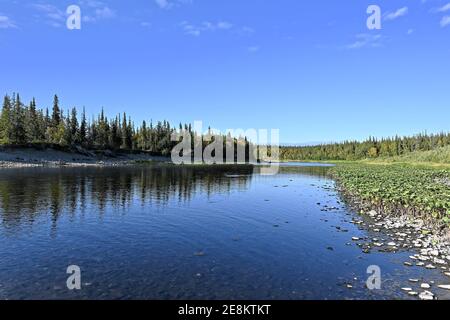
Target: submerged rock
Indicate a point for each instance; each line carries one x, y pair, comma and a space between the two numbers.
444, 286
408, 264
426, 295
425, 286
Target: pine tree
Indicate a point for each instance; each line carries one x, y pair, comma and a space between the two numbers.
56, 115
33, 125
124, 132
68, 138
5, 121
18, 132
83, 128
129, 135
115, 134
74, 127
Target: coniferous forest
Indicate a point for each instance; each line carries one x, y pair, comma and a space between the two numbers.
26, 124
22, 124
372, 148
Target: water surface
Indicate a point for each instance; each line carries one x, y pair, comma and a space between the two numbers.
184, 233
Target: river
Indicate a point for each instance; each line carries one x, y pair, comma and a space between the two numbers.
166, 232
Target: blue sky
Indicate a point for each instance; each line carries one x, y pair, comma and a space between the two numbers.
310, 68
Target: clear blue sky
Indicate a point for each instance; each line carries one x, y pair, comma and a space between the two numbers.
310, 68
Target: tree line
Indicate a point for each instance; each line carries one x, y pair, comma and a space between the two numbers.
25, 124
22, 124
370, 148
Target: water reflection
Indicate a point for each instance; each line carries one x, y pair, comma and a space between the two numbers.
27, 193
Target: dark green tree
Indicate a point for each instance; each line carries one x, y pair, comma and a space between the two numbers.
5, 121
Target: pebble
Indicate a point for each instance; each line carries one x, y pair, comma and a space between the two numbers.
373, 213
426, 295
444, 286
405, 234
434, 253
377, 244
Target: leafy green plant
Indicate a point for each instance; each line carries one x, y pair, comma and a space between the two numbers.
421, 190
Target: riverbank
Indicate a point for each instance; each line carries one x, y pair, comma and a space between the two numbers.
409, 204
23, 157
422, 192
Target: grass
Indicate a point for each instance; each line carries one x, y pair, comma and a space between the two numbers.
440, 156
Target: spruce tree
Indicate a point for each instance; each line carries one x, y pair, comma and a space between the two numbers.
18, 132
68, 138
32, 123
83, 128
74, 126
124, 132
56, 114
5, 121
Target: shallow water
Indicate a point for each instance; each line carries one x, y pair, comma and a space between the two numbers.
185, 233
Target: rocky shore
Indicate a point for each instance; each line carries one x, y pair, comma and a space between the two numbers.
390, 232
48, 157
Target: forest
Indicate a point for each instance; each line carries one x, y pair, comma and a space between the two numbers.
22, 124
27, 125
371, 148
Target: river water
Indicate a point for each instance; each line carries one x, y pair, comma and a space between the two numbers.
163, 232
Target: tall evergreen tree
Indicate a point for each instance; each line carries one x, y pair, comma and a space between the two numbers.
74, 126
125, 144
18, 132
33, 125
56, 114
83, 128
5, 121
